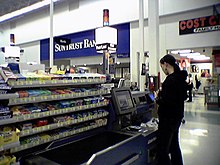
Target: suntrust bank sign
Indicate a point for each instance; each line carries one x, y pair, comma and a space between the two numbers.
83, 44
86, 43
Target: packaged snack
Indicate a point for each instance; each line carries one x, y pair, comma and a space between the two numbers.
40, 123
25, 126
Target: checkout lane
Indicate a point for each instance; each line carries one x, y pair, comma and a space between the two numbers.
124, 141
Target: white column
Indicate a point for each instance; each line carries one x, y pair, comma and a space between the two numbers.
141, 81
154, 47
51, 33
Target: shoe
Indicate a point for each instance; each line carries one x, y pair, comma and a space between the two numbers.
189, 101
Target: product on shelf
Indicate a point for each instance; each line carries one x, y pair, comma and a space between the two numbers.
8, 134
26, 126
23, 94
64, 109
60, 119
41, 122
8, 75
5, 113
30, 139
7, 159
45, 107
4, 88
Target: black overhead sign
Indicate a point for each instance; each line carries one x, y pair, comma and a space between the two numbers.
200, 25
62, 41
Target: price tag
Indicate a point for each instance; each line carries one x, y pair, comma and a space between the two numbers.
51, 113
20, 83
54, 81
68, 122
27, 116
26, 132
42, 82
24, 146
11, 83
43, 128
65, 81
37, 143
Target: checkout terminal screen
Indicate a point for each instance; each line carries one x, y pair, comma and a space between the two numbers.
151, 96
124, 100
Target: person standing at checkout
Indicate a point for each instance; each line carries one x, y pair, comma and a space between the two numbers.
170, 100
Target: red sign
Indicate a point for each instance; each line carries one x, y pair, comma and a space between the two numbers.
199, 25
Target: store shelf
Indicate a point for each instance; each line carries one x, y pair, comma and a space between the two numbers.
26, 100
52, 113
59, 136
7, 121
87, 92
8, 96
60, 124
51, 83
9, 146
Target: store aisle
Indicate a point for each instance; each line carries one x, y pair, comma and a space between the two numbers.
200, 137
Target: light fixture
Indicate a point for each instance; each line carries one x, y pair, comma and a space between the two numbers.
192, 55
181, 51
25, 10
106, 39
201, 57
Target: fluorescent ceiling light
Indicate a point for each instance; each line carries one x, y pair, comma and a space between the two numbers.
201, 57
190, 55
181, 51
25, 10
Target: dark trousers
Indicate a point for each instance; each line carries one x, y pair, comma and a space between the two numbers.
190, 94
168, 149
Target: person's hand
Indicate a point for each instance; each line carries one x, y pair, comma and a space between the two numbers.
156, 93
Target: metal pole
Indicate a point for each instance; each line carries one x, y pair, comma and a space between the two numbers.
141, 34
51, 34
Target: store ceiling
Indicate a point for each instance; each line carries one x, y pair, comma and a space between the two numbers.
8, 6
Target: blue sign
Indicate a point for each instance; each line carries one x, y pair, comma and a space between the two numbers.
83, 44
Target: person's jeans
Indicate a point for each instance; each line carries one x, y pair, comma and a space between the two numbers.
168, 149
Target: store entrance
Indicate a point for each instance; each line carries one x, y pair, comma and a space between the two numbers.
203, 67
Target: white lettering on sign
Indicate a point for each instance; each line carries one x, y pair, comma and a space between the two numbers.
75, 46
207, 29
89, 43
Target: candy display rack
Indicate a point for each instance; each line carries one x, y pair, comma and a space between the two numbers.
63, 121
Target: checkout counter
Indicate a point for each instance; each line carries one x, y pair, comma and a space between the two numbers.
123, 141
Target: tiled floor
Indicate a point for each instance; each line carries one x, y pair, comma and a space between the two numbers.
200, 135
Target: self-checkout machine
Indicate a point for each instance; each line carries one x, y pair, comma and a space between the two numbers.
132, 112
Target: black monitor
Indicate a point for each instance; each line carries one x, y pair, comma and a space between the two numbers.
123, 101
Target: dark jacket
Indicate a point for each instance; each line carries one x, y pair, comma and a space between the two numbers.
171, 97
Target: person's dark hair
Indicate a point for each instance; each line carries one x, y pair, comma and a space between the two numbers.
170, 60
